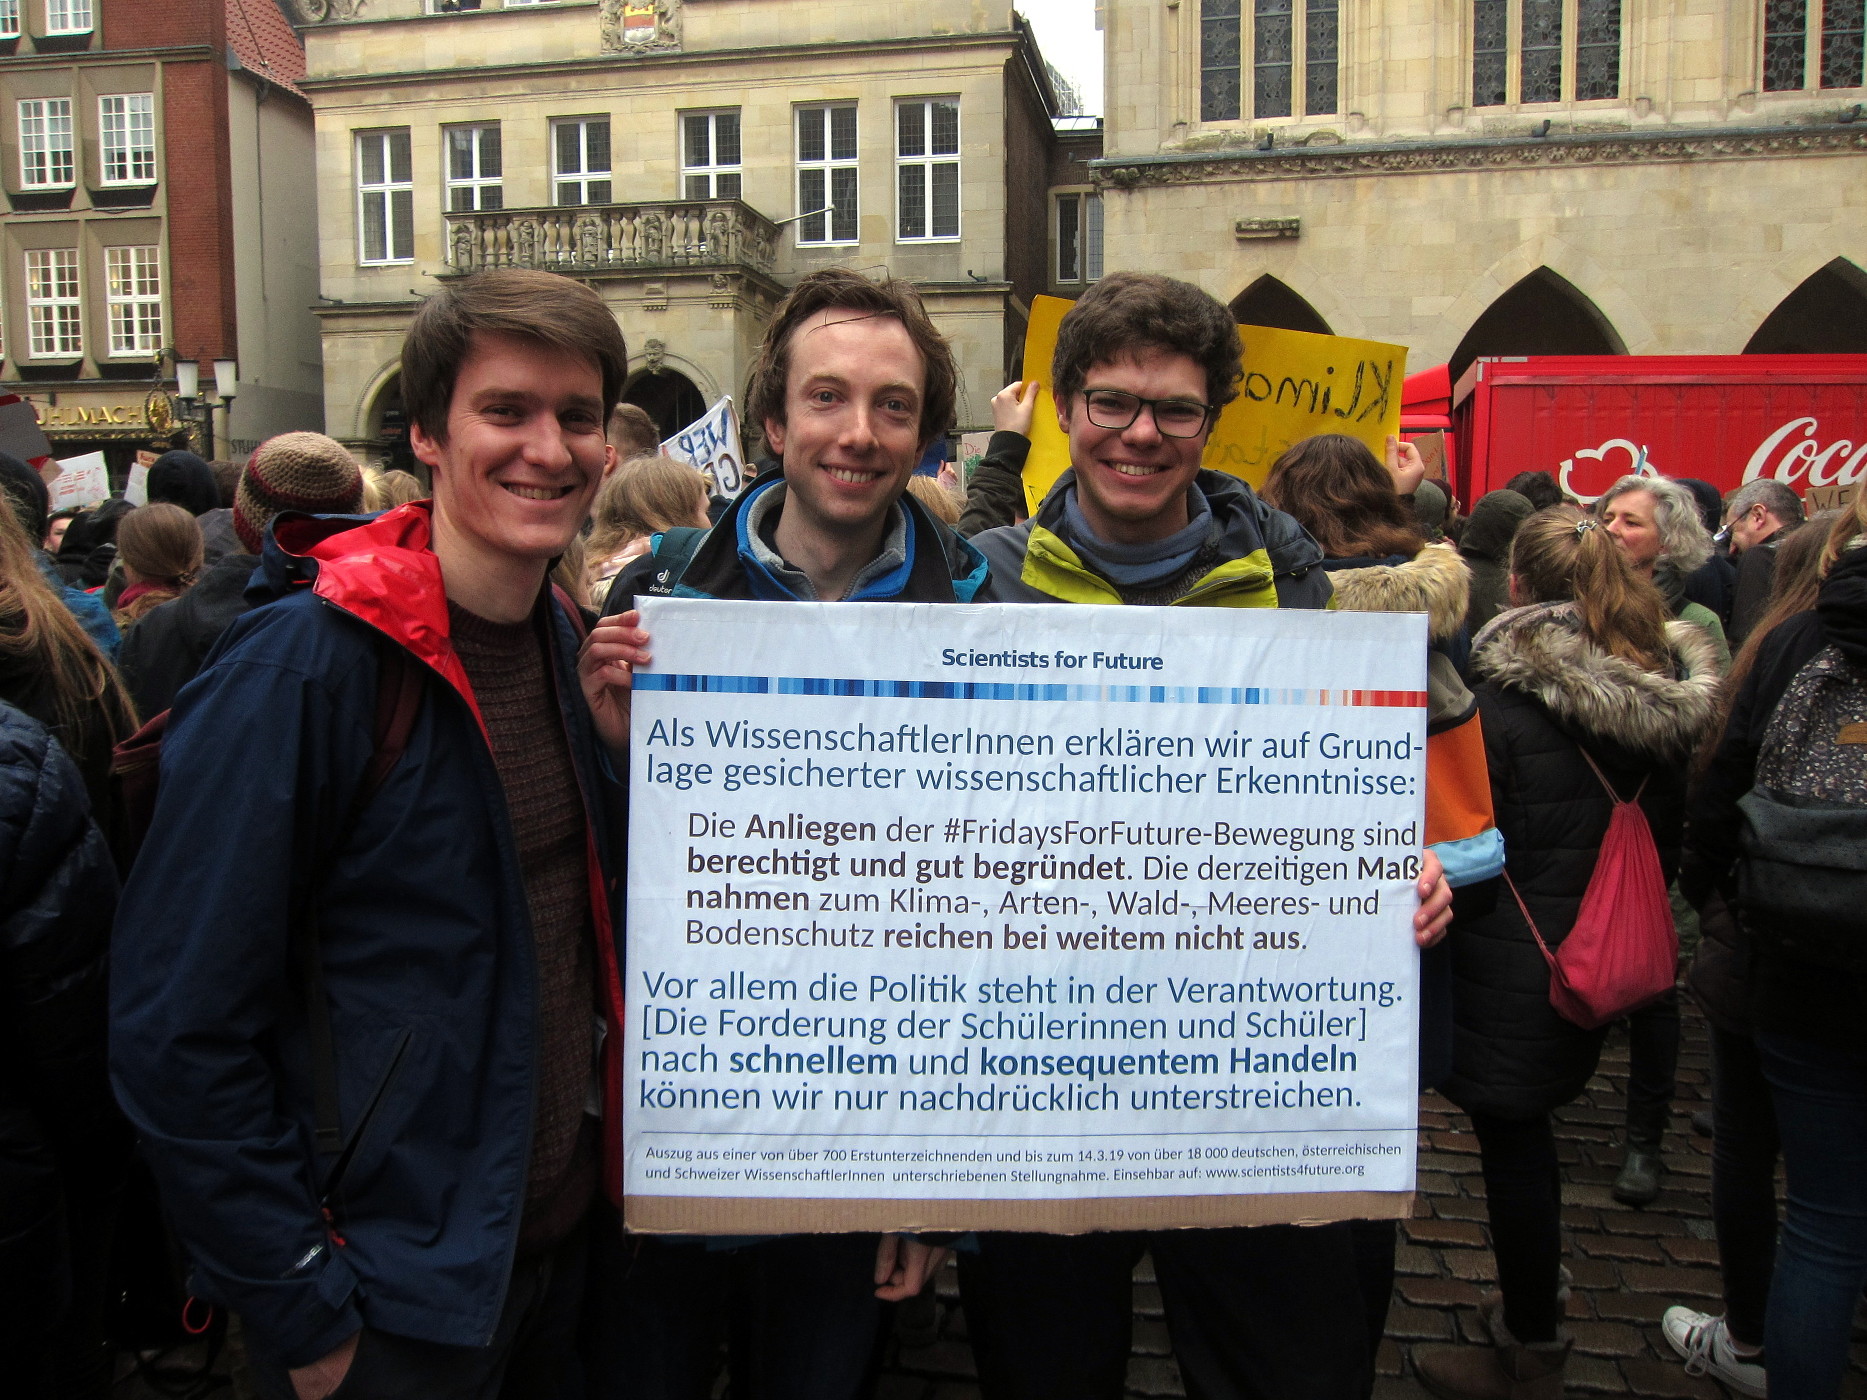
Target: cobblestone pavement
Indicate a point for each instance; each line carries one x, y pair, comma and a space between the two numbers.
1629, 1266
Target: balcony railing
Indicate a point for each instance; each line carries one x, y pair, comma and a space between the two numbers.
596, 238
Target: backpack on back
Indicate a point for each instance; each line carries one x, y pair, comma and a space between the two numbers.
1802, 878
1623, 949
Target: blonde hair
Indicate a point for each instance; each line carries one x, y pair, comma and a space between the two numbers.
1846, 531
641, 497
398, 488
1559, 554
938, 500
568, 574
372, 491
37, 628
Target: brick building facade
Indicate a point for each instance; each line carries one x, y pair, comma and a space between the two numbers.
153, 159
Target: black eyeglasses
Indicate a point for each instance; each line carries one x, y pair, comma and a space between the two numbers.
1112, 408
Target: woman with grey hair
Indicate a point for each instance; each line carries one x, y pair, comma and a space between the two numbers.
1657, 525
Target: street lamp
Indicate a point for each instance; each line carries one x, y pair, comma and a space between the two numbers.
188, 390
226, 383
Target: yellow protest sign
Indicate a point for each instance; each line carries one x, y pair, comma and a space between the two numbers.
1295, 386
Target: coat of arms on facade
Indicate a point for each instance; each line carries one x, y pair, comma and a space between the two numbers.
318, 11
641, 26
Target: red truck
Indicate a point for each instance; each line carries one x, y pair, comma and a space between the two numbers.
1592, 419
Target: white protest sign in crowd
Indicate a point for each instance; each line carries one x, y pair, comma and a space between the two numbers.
81, 481
710, 445
1105, 926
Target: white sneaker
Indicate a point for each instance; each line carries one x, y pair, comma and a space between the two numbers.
1705, 1343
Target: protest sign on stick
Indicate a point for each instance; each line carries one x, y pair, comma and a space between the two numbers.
1107, 927
1296, 385
710, 444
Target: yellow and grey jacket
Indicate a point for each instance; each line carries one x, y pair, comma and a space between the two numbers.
1262, 557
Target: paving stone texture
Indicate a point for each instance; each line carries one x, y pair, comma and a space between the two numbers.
1628, 1266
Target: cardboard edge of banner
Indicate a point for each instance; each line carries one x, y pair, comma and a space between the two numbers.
702, 1215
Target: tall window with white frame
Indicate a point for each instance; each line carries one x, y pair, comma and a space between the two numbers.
580, 161
1294, 55
67, 16
126, 122
826, 174
475, 166
133, 290
927, 170
1564, 51
9, 19
54, 311
1079, 237
710, 155
385, 198
45, 151
1813, 43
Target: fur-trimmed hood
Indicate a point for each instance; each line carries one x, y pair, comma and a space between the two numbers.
1542, 651
1435, 581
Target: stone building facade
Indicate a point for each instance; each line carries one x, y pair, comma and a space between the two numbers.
690, 160
1473, 177
153, 159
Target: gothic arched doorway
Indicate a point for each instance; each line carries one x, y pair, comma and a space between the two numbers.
1826, 315
1270, 302
1544, 314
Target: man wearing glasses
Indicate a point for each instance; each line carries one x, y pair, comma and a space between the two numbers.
1142, 367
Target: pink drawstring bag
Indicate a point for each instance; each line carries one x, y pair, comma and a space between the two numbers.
1623, 950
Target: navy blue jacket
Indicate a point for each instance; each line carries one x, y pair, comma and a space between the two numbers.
424, 928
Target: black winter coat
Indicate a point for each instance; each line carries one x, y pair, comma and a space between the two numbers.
1546, 693
164, 651
1786, 995
60, 1133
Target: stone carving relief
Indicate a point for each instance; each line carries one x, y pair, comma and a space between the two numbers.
640, 26
1614, 150
319, 11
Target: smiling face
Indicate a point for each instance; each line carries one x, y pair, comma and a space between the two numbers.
1131, 483
852, 428
1629, 518
523, 456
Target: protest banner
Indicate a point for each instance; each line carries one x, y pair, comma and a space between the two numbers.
1109, 927
710, 444
972, 450
1296, 385
81, 481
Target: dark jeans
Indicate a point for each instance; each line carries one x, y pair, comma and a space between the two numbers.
1821, 1259
1523, 1196
1743, 1181
1264, 1314
529, 1353
1652, 1066
798, 1312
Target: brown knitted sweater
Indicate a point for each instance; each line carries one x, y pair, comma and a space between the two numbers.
507, 667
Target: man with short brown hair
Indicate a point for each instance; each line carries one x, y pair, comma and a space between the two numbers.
357, 964
851, 383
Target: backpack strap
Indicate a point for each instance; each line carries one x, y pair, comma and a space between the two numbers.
399, 687
1613, 796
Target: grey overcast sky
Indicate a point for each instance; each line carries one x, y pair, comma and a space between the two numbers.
1067, 33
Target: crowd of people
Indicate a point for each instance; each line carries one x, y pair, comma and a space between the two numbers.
312, 831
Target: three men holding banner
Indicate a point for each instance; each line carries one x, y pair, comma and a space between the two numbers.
1143, 366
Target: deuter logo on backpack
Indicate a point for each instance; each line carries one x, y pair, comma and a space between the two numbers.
1802, 880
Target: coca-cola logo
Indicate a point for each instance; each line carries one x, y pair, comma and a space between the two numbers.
1607, 464
1794, 455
